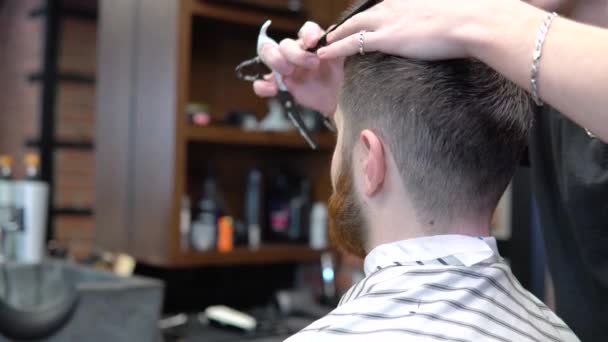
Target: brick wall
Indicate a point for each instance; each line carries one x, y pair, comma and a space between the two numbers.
76, 233
75, 112
21, 55
74, 179
75, 122
78, 48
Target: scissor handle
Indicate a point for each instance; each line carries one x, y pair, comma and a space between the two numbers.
264, 39
252, 70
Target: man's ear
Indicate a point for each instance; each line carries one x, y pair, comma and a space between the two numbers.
374, 162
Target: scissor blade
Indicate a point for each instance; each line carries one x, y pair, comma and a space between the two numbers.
290, 108
329, 125
302, 130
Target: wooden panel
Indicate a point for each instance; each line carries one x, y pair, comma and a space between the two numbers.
237, 15
275, 254
325, 13
154, 127
184, 47
113, 126
236, 136
320, 11
338, 8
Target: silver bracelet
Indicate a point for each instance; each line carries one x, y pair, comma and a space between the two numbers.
538, 50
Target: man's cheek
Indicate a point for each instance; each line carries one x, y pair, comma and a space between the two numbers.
335, 166
332, 172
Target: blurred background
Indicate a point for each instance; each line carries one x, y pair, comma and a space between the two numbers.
143, 182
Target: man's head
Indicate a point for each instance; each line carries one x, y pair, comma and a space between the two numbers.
560, 6
433, 143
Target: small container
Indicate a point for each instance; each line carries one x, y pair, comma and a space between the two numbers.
225, 240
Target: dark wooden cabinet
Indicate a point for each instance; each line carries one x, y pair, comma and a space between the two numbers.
155, 56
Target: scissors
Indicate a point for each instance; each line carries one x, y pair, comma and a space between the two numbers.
258, 69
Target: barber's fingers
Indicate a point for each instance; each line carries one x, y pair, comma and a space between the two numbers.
267, 87
275, 60
351, 45
310, 33
296, 55
370, 20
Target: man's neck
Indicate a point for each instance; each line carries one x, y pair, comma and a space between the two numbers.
593, 12
397, 225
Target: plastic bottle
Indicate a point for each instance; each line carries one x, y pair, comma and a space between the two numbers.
204, 229
279, 209
253, 208
33, 198
8, 226
318, 226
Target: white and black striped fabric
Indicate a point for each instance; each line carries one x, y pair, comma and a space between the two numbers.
440, 288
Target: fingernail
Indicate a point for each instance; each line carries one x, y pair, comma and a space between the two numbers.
311, 39
321, 52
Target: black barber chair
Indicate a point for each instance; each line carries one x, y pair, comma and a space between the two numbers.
22, 325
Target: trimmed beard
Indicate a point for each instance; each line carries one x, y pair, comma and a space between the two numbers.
347, 228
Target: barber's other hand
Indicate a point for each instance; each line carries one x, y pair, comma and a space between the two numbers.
422, 29
313, 82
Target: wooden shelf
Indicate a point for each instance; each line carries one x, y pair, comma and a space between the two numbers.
236, 136
238, 15
266, 254
76, 77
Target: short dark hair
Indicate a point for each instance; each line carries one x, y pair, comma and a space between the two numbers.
456, 128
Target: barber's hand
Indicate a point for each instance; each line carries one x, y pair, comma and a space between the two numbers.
422, 29
314, 83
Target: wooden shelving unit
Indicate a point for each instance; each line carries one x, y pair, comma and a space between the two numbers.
269, 253
149, 157
236, 15
236, 136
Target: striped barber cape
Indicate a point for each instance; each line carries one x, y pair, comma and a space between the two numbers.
439, 288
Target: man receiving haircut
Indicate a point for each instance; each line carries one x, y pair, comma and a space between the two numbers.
424, 152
